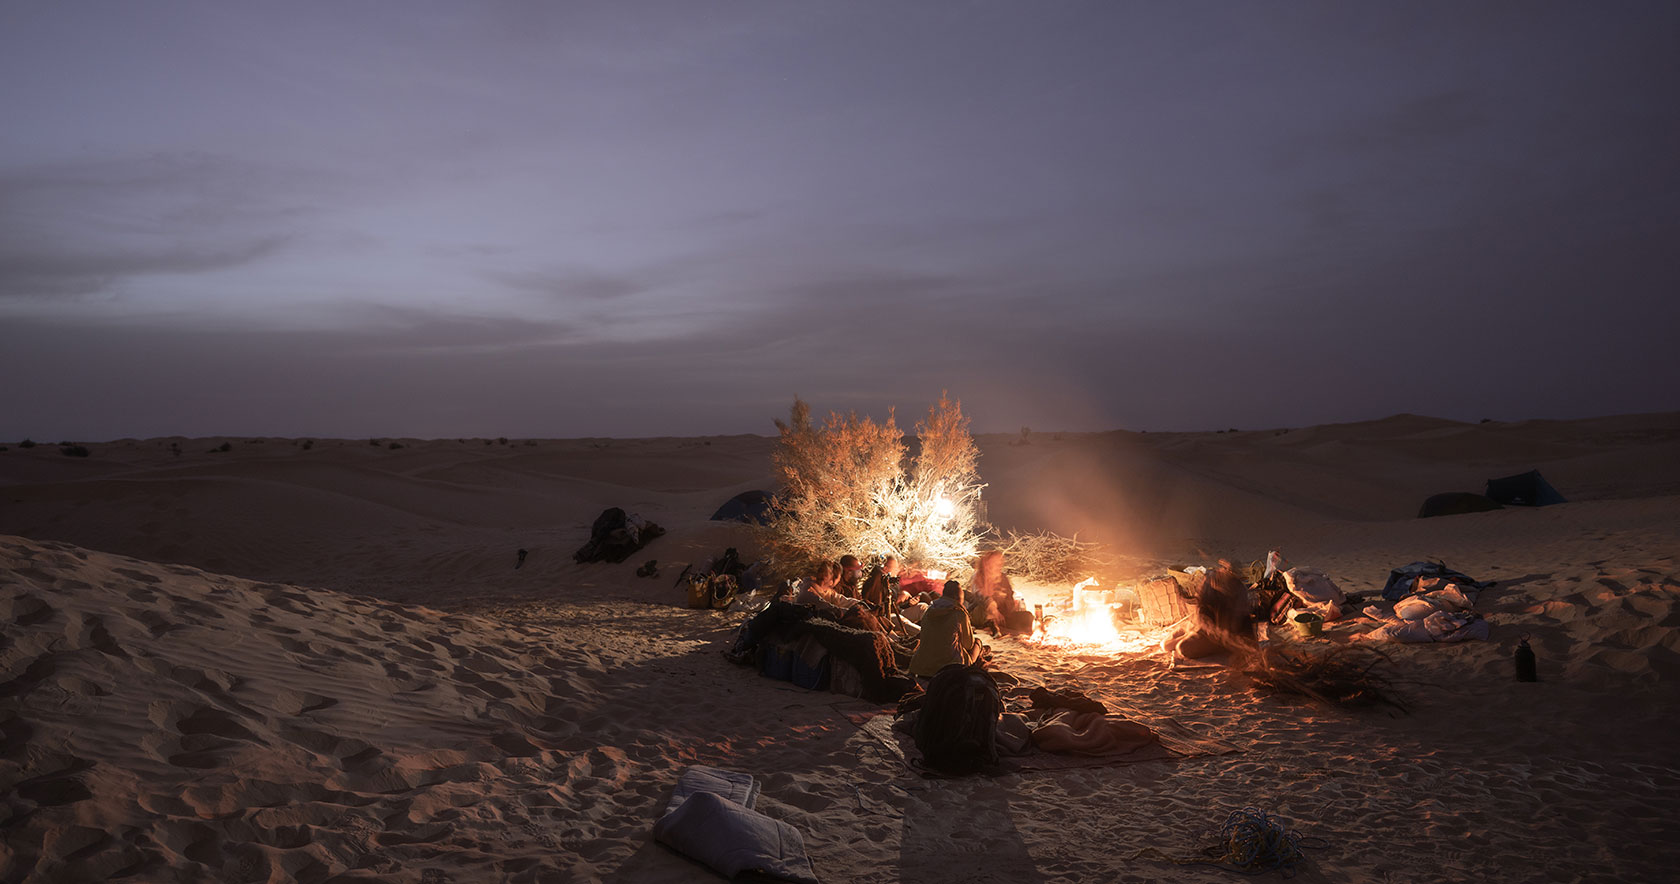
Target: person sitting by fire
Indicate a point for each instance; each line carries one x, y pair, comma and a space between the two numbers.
851, 576
946, 636
820, 591
880, 590
991, 599
1221, 621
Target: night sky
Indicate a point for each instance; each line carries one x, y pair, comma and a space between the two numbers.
631, 219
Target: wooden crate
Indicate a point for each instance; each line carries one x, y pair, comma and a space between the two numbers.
1161, 602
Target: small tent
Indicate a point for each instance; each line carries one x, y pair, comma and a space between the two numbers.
748, 506
1527, 489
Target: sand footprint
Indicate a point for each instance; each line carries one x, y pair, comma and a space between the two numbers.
193, 841
292, 703
141, 576
468, 678
164, 805
214, 683
514, 745
39, 669
197, 610
77, 686
61, 786
156, 624
91, 633
77, 843
209, 720
26, 610
16, 736
317, 741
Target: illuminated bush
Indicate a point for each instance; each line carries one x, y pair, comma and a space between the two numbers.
844, 488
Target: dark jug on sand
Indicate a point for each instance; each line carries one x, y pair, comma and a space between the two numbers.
1526, 666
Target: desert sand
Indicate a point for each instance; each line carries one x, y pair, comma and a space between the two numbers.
315, 661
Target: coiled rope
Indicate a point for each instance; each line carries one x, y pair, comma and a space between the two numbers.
1251, 842
1255, 843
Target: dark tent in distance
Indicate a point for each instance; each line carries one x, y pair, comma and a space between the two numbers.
1528, 489
748, 506
1454, 503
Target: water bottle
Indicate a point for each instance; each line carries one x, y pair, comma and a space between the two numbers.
1526, 667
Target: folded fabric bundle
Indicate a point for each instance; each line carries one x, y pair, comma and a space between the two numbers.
1449, 598
1315, 592
1405, 580
710, 819
1014, 734
1091, 733
1413, 608
1439, 626
741, 788
1076, 700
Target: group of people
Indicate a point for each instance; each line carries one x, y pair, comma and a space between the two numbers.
841, 591
944, 621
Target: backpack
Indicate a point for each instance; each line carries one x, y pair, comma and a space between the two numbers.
728, 563
956, 727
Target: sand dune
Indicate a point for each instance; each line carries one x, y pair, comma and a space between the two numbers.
379, 695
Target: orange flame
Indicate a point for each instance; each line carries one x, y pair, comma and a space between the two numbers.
1086, 622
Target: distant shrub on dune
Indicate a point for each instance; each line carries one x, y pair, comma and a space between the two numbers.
374, 442
308, 444
73, 450
27, 443
501, 440
394, 446
224, 447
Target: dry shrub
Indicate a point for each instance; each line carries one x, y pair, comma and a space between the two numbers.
1343, 675
844, 488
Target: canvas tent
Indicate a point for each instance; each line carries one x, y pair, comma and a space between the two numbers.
748, 506
1527, 489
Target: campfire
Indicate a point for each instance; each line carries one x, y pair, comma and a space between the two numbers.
1089, 619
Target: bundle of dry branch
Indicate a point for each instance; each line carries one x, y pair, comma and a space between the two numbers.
1053, 559
1343, 675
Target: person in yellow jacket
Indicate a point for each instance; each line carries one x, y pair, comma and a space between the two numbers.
946, 634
